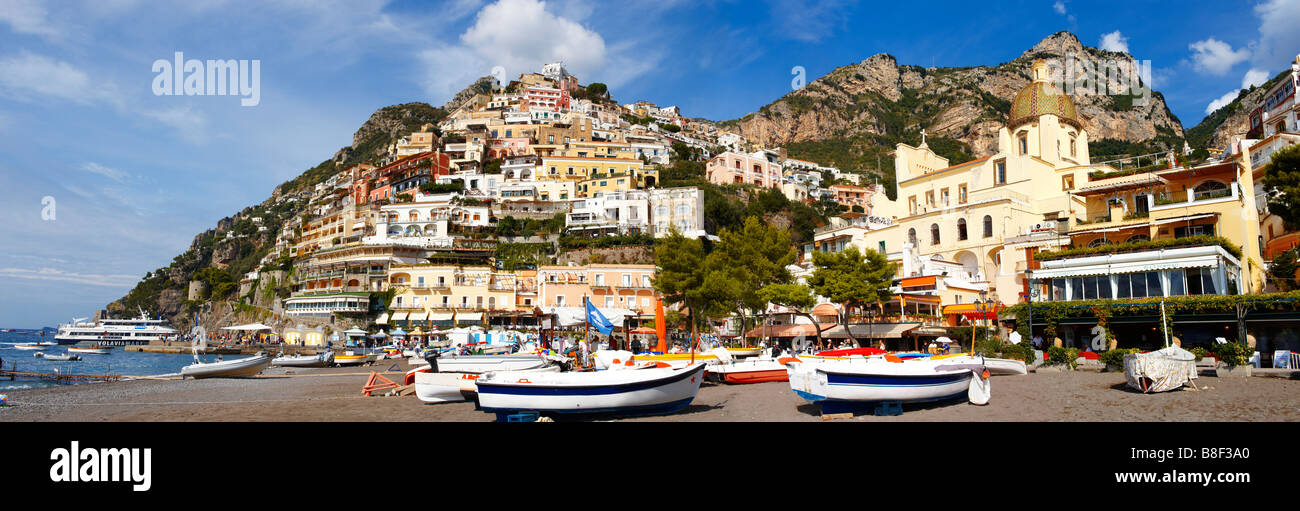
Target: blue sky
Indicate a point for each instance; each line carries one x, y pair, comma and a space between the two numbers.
134, 175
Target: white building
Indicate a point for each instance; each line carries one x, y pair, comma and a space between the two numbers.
610, 213
682, 208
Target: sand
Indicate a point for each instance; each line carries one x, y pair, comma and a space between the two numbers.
333, 394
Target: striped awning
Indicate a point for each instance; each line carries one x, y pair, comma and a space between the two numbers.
1184, 218
400, 316
383, 319
1119, 184
418, 316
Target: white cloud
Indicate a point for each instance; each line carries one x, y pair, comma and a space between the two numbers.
808, 21
187, 123
110, 173
1216, 57
1254, 78
92, 279
1059, 7
1114, 41
1279, 41
28, 75
27, 17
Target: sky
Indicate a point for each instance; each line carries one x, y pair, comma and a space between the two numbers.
104, 176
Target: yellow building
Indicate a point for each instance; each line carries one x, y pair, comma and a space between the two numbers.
437, 295
578, 169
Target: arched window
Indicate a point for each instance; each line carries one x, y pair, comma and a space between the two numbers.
988, 226
1099, 242
911, 237
1211, 190
961, 229
934, 234
1137, 237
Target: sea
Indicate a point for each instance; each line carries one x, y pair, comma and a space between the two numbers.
117, 362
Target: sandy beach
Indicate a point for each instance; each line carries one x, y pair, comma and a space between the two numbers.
333, 394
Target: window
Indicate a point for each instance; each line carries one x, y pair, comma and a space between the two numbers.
1067, 182
882, 247
1099, 242
1193, 230
1211, 190
988, 226
943, 197
911, 237
961, 194
1024, 143
1073, 153
1200, 281
961, 229
1000, 172
929, 199
911, 204
934, 234
1137, 237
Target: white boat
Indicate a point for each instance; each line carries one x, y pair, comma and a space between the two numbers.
635, 392
115, 332
64, 357
320, 360
28, 346
1004, 366
451, 387
842, 383
485, 363
238, 368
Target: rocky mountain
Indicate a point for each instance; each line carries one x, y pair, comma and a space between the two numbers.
884, 102
1231, 121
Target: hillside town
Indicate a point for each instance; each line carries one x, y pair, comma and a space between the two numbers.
413, 242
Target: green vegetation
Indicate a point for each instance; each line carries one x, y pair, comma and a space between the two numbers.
435, 188
1232, 353
511, 227
1282, 184
627, 240
1282, 271
853, 279
521, 256
1115, 357
1190, 241
796, 297
1063, 356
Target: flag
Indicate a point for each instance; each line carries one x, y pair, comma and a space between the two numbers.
597, 320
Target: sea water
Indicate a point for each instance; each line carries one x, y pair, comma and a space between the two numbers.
117, 362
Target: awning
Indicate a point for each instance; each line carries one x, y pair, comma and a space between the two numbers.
1184, 218
400, 316
469, 316
418, 316
382, 320
251, 327
1118, 184
973, 311
877, 331
918, 281
1203, 261
440, 316
797, 330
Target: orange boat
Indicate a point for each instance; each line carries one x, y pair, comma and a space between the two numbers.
752, 370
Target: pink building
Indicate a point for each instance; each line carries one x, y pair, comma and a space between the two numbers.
608, 286
546, 98
755, 169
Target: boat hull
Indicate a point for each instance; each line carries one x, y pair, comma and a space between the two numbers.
92, 351
28, 347
755, 371
242, 368
353, 360
485, 363
1005, 366
876, 380
634, 392
323, 360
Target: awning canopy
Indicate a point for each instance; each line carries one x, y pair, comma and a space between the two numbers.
878, 331
354, 332
1122, 183
441, 316
418, 316
400, 316
469, 316
251, 327
382, 319
802, 329
974, 311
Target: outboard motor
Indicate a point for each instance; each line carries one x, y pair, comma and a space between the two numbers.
432, 358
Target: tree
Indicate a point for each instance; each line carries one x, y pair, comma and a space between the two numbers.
683, 277
597, 90
751, 257
852, 279
1282, 184
1282, 270
796, 297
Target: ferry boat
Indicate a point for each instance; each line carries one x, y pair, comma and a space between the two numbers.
116, 332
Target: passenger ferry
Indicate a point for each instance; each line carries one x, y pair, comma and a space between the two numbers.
116, 332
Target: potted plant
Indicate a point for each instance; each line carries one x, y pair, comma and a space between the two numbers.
1114, 359
1233, 357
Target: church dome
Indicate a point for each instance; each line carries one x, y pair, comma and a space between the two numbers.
1040, 98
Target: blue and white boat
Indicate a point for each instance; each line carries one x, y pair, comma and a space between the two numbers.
651, 391
842, 383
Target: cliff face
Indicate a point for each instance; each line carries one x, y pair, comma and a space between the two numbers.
1232, 120
880, 97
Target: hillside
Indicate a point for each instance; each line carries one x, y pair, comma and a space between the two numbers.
858, 112
1231, 120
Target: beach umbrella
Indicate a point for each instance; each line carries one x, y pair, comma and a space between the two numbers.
943, 340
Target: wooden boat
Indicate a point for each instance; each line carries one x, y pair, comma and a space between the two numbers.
93, 349
632, 392
63, 357
320, 360
433, 387
349, 358
29, 346
748, 351
753, 370
839, 384
238, 368
619, 359
485, 363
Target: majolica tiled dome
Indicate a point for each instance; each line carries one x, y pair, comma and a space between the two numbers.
1039, 98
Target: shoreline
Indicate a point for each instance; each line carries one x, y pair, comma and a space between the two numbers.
334, 394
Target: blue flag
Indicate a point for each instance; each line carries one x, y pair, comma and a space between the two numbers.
597, 320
